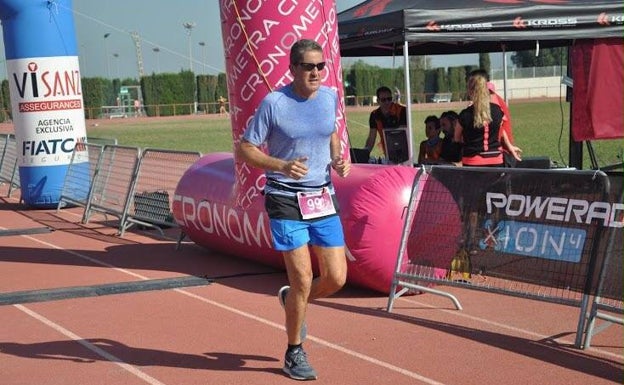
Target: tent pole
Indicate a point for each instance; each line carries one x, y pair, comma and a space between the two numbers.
408, 102
505, 75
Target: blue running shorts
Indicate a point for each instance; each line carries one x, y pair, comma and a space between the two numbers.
291, 234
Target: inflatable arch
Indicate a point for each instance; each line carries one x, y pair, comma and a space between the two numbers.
218, 201
46, 95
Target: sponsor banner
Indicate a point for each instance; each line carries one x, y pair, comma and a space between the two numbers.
554, 228
257, 37
534, 240
48, 108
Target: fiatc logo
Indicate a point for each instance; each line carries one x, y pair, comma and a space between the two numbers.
63, 86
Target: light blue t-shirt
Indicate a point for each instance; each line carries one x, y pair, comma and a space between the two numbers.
293, 127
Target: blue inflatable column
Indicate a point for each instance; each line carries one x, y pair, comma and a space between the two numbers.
46, 95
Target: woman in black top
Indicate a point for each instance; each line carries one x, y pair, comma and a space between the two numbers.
479, 125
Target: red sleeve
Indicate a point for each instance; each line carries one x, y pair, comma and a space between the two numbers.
506, 123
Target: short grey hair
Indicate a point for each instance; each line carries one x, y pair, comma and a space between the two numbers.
301, 47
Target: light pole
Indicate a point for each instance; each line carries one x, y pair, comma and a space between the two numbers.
156, 52
106, 35
116, 56
203, 45
189, 25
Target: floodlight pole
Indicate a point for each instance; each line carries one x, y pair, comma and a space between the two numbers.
156, 51
189, 29
189, 25
203, 45
108, 74
116, 56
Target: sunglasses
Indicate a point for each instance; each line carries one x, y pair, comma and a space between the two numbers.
310, 66
388, 99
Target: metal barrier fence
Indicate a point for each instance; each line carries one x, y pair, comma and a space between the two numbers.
528, 72
101, 141
540, 234
78, 175
608, 302
9, 172
131, 184
151, 193
115, 171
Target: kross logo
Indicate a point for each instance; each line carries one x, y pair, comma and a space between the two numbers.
372, 9
519, 23
433, 26
606, 20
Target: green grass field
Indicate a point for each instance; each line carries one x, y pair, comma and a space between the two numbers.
540, 129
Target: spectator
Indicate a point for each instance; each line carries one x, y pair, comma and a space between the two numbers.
222, 109
451, 150
137, 107
511, 153
479, 125
388, 115
431, 148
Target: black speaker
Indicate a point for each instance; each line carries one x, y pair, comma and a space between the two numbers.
397, 149
542, 162
359, 155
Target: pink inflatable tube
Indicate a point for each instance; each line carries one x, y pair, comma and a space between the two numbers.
373, 200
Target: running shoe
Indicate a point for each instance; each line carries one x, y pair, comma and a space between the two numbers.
297, 367
281, 295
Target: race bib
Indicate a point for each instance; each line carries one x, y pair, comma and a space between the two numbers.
315, 204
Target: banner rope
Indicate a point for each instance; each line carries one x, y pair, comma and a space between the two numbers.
247, 42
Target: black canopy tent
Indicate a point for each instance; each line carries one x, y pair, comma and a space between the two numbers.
429, 27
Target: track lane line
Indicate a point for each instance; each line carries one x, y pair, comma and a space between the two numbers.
364, 357
320, 341
242, 313
513, 328
100, 352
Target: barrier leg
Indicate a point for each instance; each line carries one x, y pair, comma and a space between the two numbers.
426, 290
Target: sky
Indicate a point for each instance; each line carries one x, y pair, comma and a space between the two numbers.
164, 39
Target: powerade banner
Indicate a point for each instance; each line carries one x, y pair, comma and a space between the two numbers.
46, 96
257, 37
553, 228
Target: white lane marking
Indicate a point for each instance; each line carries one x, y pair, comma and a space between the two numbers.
92, 260
353, 353
320, 341
512, 328
327, 343
100, 352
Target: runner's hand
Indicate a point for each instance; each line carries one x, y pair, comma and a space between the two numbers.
341, 166
296, 169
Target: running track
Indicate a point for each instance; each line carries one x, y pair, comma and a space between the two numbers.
229, 329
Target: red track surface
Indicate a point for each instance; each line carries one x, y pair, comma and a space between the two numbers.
230, 332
